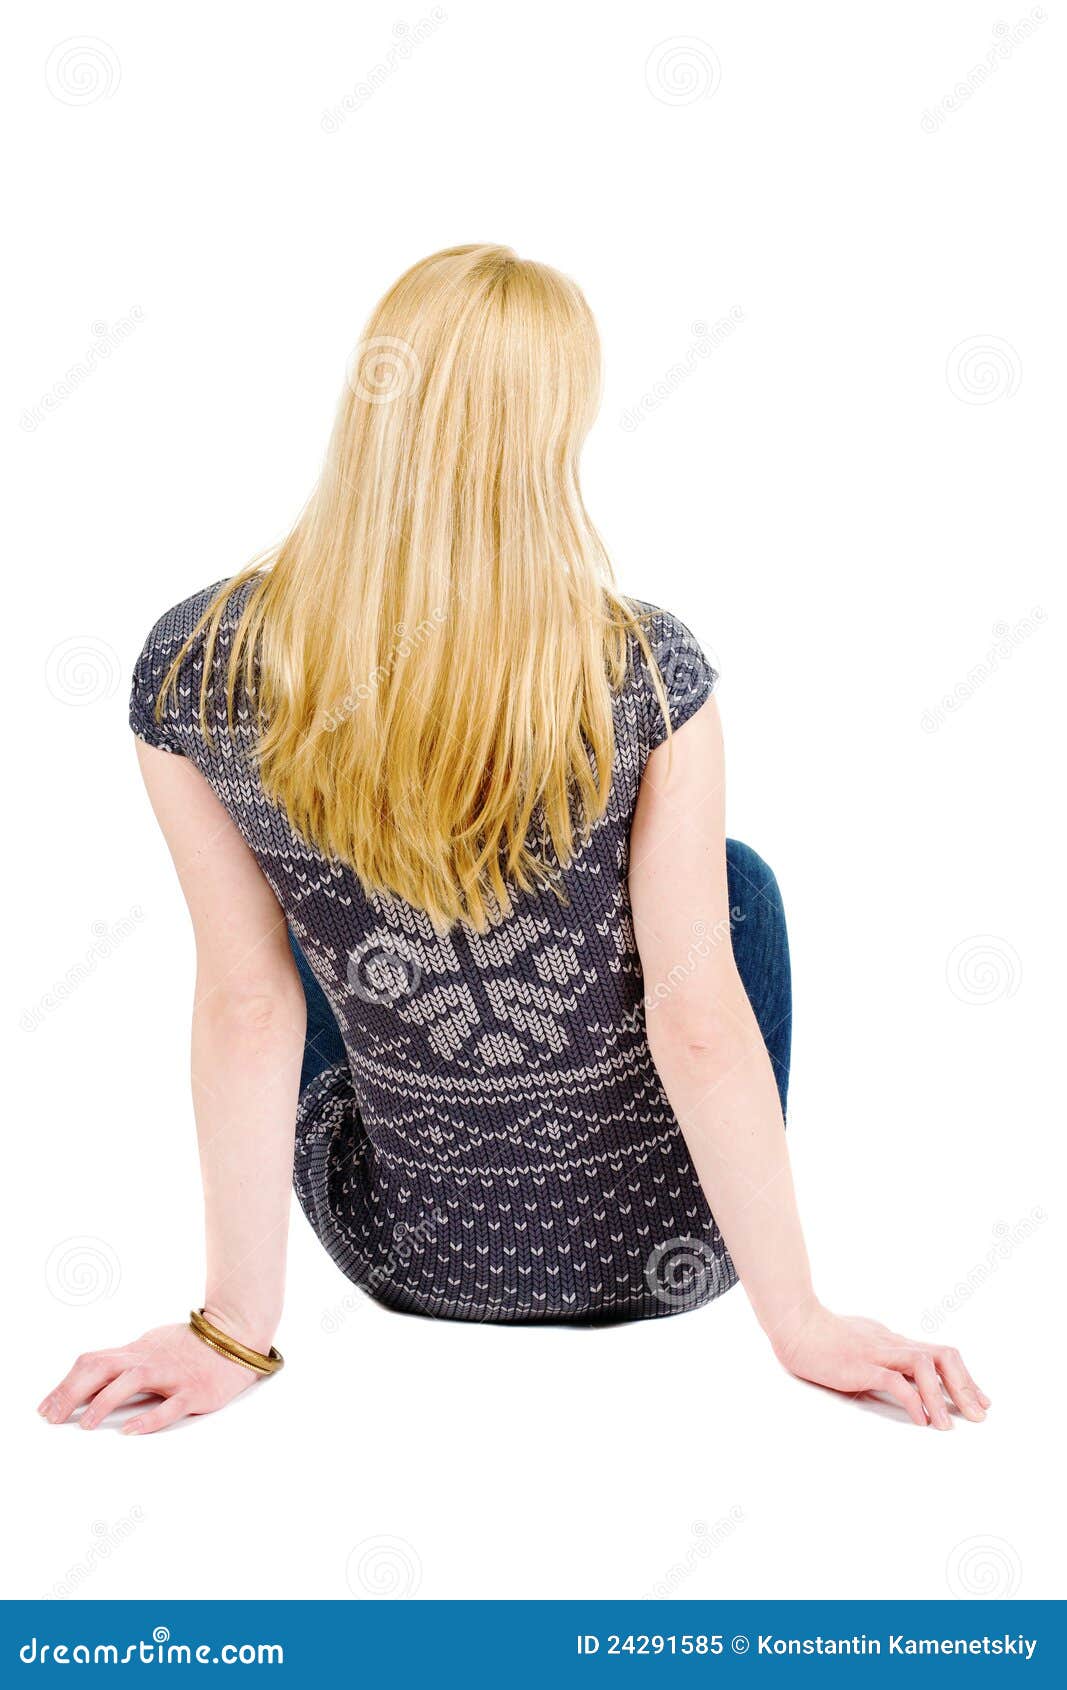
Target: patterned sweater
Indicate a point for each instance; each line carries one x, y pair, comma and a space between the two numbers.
498, 1145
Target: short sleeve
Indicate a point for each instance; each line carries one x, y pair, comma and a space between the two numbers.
180, 629
688, 675
176, 729
149, 673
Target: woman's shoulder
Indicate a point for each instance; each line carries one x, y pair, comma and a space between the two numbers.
165, 639
660, 626
688, 674
171, 630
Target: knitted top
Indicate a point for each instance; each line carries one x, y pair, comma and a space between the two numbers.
498, 1145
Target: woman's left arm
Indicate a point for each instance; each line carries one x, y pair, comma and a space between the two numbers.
707, 1047
247, 1047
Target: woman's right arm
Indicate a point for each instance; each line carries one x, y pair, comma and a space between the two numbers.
714, 1066
247, 1048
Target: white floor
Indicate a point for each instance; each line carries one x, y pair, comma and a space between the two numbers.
398, 1456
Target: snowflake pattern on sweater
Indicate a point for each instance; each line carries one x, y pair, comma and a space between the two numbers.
497, 1145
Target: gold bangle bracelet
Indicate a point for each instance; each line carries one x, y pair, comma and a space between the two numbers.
229, 1347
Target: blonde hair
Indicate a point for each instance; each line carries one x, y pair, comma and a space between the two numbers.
431, 652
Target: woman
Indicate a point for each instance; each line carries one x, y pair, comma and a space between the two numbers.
448, 815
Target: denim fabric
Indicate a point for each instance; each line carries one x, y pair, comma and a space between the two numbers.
761, 952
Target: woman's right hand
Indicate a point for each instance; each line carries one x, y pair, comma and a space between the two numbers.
170, 1362
849, 1354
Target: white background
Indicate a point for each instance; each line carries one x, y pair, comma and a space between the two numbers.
842, 511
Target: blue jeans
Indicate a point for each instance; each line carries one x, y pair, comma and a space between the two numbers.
760, 947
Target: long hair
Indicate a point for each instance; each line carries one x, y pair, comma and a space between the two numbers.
431, 653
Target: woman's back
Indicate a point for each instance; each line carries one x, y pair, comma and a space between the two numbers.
498, 1143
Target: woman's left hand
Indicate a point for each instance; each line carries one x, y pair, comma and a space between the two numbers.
169, 1362
856, 1356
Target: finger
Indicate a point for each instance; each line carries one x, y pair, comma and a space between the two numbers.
928, 1384
970, 1401
960, 1386
83, 1381
894, 1385
132, 1383
154, 1419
